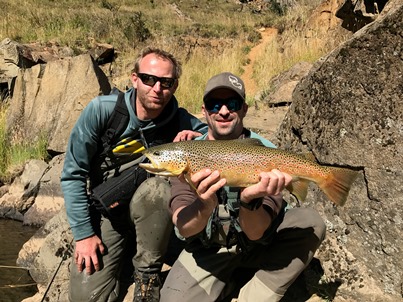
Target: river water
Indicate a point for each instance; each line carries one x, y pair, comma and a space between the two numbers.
15, 283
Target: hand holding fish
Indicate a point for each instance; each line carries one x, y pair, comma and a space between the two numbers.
270, 183
207, 183
255, 222
192, 219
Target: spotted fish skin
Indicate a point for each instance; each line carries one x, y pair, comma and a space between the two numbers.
241, 161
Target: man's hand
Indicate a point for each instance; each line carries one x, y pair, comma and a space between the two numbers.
193, 218
271, 183
186, 135
86, 254
255, 223
207, 183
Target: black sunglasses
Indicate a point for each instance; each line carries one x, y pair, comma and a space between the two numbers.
232, 103
150, 80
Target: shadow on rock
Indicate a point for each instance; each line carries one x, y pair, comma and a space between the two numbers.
309, 283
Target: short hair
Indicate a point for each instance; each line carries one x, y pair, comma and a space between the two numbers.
161, 54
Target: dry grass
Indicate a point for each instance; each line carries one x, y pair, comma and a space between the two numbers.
296, 43
122, 23
276, 58
199, 68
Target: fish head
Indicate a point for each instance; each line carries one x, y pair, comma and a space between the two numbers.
165, 160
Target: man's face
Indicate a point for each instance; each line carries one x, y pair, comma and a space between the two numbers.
224, 123
153, 94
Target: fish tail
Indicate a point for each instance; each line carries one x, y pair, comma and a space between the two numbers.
299, 188
337, 185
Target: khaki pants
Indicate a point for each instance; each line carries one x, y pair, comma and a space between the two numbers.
212, 275
137, 239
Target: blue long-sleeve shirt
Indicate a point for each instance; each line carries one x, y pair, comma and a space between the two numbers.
84, 143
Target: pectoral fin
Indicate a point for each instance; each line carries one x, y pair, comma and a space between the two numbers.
299, 188
189, 181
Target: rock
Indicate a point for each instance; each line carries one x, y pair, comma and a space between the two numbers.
48, 255
48, 99
31, 176
284, 84
49, 199
102, 53
357, 13
323, 19
348, 112
36, 193
17, 54
21, 193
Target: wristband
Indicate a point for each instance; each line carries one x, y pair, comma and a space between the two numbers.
253, 205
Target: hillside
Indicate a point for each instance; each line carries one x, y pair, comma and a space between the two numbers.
208, 37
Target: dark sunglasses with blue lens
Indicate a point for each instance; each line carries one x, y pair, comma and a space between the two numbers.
214, 105
150, 80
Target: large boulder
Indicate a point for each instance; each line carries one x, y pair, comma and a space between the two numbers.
20, 195
348, 111
35, 196
48, 255
48, 98
49, 198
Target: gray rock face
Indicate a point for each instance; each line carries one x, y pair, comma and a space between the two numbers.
48, 255
348, 111
48, 98
49, 198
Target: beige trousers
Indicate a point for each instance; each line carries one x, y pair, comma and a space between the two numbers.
262, 274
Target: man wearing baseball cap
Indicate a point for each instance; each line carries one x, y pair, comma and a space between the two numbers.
241, 243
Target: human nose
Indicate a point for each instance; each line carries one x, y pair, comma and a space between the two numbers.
224, 110
157, 86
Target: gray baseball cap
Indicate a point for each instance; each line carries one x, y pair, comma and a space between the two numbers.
225, 80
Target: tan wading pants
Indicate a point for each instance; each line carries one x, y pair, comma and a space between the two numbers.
206, 274
153, 226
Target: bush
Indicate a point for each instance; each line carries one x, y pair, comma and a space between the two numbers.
135, 29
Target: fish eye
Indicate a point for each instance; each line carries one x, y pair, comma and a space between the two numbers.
156, 153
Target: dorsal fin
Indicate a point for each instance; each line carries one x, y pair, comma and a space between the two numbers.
250, 141
309, 156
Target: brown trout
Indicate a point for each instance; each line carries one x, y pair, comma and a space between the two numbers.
241, 161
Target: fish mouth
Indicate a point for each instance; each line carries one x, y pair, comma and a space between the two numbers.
151, 168
158, 171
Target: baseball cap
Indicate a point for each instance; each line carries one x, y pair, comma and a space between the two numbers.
225, 80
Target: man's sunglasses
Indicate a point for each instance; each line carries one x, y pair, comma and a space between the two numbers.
150, 80
232, 103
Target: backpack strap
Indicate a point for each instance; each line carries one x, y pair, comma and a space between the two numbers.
117, 123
